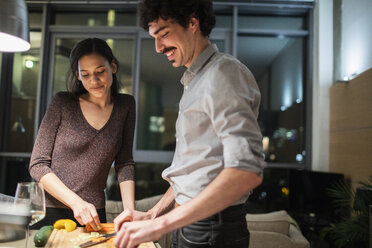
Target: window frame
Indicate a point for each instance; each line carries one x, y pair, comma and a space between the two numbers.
49, 32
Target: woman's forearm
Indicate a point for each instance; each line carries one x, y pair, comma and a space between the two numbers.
127, 194
54, 186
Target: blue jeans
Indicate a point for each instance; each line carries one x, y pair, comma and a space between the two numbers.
227, 229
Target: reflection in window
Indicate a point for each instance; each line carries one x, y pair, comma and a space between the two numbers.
109, 18
223, 16
24, 90
148, 182
274, 22
35, 19
278, 69
15, 170
159, 93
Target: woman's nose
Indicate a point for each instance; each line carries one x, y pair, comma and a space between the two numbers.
94, 79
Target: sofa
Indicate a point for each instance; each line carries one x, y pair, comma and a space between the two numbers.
268, 230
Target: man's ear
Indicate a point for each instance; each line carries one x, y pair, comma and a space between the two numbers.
194, 24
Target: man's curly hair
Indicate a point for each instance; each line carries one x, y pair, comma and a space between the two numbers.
179, 10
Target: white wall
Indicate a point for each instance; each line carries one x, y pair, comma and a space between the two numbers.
355, 57
322, 80
356, 37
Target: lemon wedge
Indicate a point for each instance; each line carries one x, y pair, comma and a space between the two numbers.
67, 224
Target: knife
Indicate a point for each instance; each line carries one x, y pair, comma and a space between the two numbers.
97, 240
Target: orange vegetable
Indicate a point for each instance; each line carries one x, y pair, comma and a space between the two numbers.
105, 228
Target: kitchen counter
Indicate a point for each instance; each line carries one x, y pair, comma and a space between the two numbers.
22, 242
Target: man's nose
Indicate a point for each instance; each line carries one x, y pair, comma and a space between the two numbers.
159, 47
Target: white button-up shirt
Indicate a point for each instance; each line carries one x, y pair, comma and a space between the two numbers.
217, 125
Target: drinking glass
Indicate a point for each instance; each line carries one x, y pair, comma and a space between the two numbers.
31, 195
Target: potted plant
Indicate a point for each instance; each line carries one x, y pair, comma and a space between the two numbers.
352, 229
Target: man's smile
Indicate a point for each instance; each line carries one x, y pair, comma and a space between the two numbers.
169, 52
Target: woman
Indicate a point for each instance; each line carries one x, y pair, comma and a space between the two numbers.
82, 133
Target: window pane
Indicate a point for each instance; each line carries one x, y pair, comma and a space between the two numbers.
275, 22
148, 182
278, 68
35, 19
159, 93
220, 45
23, 101
122, 49
13, 170
62, 63
223, 21
102, 18
223, 16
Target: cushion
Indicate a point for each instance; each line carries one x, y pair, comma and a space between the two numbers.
114, 208
269, 222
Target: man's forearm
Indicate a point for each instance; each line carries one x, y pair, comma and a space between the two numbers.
226, 189
165, 204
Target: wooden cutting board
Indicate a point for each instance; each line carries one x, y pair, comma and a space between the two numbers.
62, 239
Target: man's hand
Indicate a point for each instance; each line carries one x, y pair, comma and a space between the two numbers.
130, 215
131, 234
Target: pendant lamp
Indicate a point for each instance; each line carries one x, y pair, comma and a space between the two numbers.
14, 29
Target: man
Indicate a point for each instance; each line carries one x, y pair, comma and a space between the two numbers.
218, 158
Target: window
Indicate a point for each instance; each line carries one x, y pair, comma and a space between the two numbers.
111, 17
273, 44
19, 83
272, 39
278, 68
25, 76
159, 93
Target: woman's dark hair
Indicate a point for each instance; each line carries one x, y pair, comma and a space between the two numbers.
179, 10
85, 47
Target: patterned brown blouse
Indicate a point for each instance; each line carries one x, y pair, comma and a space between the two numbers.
80, 155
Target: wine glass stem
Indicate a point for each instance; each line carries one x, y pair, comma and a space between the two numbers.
27, 233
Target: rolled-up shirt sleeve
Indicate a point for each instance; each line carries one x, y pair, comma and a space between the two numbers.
124, 164
235, 120
41, 157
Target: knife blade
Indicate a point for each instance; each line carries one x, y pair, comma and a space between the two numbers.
97, 240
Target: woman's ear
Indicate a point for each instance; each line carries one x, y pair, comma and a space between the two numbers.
114, 67
77, 76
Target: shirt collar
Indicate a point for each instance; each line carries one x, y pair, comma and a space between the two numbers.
199, 62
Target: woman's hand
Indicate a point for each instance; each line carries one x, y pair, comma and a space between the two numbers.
86, 214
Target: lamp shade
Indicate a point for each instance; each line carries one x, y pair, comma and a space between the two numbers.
14, 29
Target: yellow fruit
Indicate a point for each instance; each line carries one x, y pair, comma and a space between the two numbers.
67, 224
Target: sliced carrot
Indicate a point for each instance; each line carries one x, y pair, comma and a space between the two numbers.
105, 228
